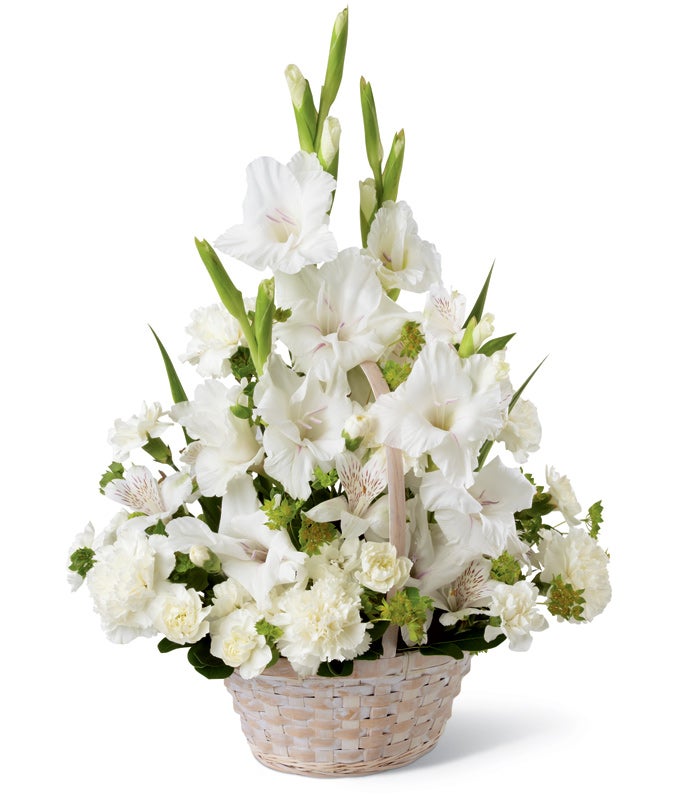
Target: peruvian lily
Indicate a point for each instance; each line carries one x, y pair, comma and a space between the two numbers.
482, 518
304, 425
358, 509
447, 408
466, 594
227, 445
285, 216
406, 261
341, 316
140, 492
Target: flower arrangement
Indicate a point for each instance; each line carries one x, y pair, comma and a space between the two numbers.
349, 480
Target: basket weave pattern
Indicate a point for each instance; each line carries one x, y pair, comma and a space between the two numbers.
386, 714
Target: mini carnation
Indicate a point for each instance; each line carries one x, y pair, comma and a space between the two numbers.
179, 614
228, 596
381, 568
215, 337
521, 433
130, 434
321, 624
515, 605
563, 496
236, 640
579, 561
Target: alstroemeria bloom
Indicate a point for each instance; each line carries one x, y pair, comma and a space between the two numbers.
285, 216
447, 407
140, 492
304, 425
227, 445
466, 593
340, 315
406, 261
483, 518
358, 509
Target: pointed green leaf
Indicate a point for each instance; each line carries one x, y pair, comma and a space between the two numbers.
519, 391
176, 388
492, 346
467, 344
478, 308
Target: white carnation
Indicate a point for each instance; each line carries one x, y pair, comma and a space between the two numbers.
515, 605
215, 337
236, 640
521, 433
122, 584
321, 624
381, 569
563, 495
130, 434
581, 562
228, 596
179, 614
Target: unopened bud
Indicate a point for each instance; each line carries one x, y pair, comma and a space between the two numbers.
203, 557
296, 85
330, 141
368, 200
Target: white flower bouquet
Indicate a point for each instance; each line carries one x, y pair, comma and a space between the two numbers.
347, 483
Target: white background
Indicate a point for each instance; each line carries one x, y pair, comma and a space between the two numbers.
543, 135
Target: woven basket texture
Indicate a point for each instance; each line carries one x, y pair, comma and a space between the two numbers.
388, 713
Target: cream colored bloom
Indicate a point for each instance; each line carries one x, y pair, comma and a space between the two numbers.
563, 495
215, 337
521, 432
381, 569
133, 433
321, 624
515, 605
581, 562
237, 642
179, 614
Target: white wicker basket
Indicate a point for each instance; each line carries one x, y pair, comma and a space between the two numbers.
386, 714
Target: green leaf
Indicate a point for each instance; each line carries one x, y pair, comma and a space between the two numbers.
242, 365
114, 472
492, 346
442, 649
157, 529
212, 511
393, 166
176, 388
166, 645
594, 520
478, 308
519, 391
467, 343
188, 574
158, 450
230, 296
241, 411
336, 668
82, 561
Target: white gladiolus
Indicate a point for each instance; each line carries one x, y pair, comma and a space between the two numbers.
406, 261
285, 216
236, 641
515, 605
581, 562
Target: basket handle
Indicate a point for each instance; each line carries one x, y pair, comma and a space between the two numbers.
396, 497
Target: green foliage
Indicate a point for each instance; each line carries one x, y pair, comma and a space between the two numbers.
478, 309
205, 663
242, 364
395, 372
412, 339
352, 444
158, 450
393, 166
336, 668
157, 529
506, 569
268, 631
564, 601
407, 608
594, 519
529, 522
313, 535
188, 574
281, 315
176, 388
264, 319
241, 411
166, 645
82, 560
467, 343
281, 514
323, 479
492, 346
114, 472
